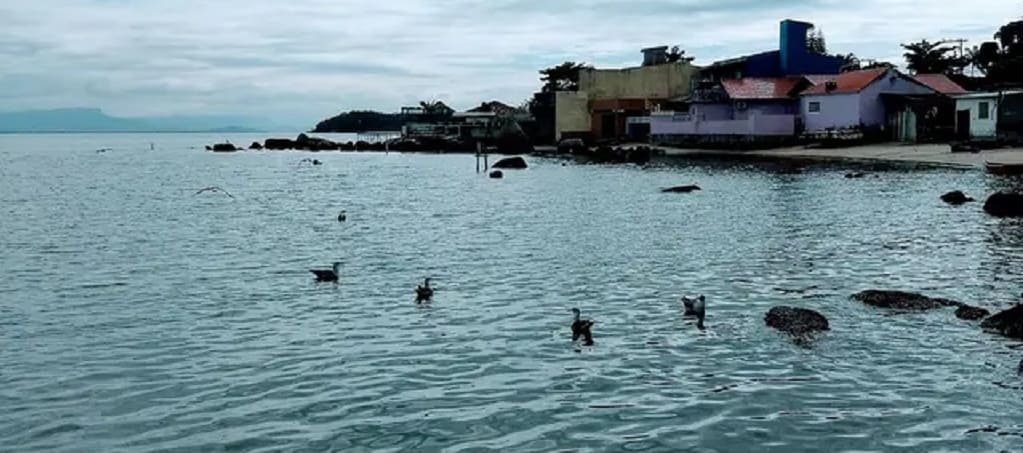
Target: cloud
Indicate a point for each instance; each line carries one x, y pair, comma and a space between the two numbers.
301, 60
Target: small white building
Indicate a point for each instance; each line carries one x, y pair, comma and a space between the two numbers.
977, 115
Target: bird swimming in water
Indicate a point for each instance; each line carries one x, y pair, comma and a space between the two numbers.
695, 307
581, 328
327, 275
343, 216
423, 292
214, 189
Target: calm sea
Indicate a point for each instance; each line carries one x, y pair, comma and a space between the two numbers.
136, 315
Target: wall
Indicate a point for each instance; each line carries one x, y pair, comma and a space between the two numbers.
837, 111
645, 82
682, 124
571, 113
978, 127
711, 112
795, 59
767, 108
872, 112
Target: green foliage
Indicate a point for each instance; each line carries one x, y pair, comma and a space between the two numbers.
927, 57
563, 77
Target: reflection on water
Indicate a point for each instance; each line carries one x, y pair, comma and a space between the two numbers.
137, 316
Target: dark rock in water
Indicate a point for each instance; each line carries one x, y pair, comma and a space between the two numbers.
256, 146
682, 189
315, 144
971, 313
956, 198
796, 321
362, 145
278, 143
901, 300
317, 162
571, 146
224, 148
1005, 204
209, 148
496, 174
1008, 322
855, 175
513, 163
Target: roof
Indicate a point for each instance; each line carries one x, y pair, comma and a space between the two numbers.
847, 82
940, 83
987, 94
737, 60
761, 88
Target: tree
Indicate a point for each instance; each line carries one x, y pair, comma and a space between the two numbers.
563, 77
985, 56
927, 57
1010, 36
676, 54
854, 63
815, 43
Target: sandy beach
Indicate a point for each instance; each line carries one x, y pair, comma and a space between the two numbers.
938, 154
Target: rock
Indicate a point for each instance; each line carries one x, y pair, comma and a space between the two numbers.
901, 300
640, 155
956, 198
278, 143
513, 163
1005, 204
317, 162
315, 144
496, 174
256, 146
209, 148
681, 189
971, 313
571, 146
796, 321
224, 148
362, 145
1008, 322
855, 175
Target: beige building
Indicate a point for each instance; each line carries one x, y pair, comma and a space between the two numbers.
607, 96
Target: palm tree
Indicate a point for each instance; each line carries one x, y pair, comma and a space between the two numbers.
927, 57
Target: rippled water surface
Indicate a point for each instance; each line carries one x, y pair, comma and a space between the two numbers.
138, 316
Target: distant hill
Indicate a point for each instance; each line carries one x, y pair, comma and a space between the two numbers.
94, 120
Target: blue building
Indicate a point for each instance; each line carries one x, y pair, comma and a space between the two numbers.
793, 58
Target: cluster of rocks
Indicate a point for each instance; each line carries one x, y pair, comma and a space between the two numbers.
639, 155
999, 204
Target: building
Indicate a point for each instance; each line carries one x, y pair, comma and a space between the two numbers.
853, 100
607, 97
977, 115
735, 112
924, 118
793, 58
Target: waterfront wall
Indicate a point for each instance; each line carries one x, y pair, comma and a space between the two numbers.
753, 126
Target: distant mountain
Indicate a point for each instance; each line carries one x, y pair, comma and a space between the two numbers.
94, 120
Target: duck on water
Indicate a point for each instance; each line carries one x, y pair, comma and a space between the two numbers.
581, 328
424, 292
697, 307
327, 275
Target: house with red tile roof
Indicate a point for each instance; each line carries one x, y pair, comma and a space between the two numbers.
749, 110
853, 100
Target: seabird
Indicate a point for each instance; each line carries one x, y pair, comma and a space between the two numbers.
327, 275
343, 216
695, 307
581, 328
214, 189
423, 292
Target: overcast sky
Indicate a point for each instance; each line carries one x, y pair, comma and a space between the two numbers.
298, 61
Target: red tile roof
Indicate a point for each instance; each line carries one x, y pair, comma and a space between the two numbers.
761, 88
940, 83
846, 82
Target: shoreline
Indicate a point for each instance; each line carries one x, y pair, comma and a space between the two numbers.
937, 155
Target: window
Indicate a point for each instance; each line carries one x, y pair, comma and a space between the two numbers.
985, 111
814, 107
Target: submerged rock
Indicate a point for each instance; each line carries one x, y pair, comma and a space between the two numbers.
512, 163
256, 146
224, 148
497, 174
1008, 322
855, 175
682, 189
278, 143
901, 300
971, 313
1005, 204
956, 198
796, 321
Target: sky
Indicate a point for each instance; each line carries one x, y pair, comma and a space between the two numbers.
299, 61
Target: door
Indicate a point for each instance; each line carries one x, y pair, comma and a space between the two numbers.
963, 124
609, 126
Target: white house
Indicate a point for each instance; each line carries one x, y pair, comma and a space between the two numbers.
977, 114
853, 99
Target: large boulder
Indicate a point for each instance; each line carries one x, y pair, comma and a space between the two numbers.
901, 300
224, 148
496, 174
304, 141
1005, 204
1008, 322
571, 146
278, 143
956, 198
511, 163
256, 146
681, 189
796, 321
971, 313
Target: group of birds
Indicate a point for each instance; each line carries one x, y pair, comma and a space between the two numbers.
424, 293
